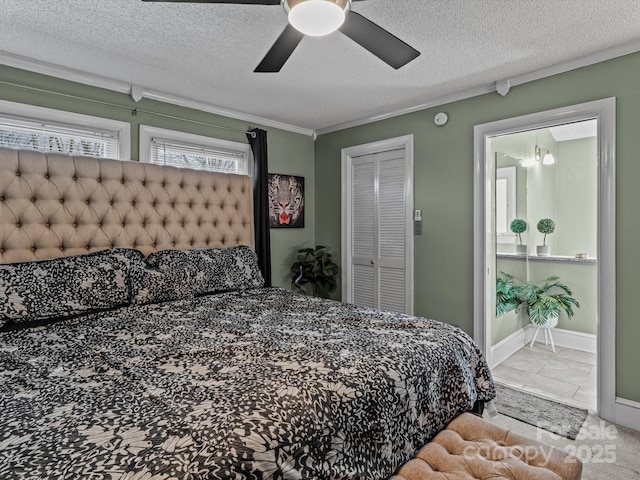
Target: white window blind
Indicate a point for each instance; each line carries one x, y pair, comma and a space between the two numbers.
46, 136
201, 157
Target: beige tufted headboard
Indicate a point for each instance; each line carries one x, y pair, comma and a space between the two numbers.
54, 205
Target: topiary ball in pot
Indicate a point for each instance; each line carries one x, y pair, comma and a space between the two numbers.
519, 226
545, 226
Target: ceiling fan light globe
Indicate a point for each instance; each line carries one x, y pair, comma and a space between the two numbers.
316, 17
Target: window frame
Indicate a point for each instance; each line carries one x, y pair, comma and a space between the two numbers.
71, 119
509, 175
148, 132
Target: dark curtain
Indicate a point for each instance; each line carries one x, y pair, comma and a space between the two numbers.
261, 200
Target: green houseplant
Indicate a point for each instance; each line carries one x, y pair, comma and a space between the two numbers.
545, 301
506, 294
519, 226
545, 226
314, 266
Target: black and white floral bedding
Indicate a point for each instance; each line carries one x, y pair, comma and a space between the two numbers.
251, 384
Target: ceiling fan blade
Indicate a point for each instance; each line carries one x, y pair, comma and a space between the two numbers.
280, 52
233, 2
384, 45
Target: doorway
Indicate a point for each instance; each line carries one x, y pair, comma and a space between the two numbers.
546, 178
602, 115
377, 224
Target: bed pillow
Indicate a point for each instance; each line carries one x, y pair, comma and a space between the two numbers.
192, 266
211, 270
245, 272
151, 285
65, 286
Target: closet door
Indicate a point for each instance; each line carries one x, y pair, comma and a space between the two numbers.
391, 231
378, 230
364, 243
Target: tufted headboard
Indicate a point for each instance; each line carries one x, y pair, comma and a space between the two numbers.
54, 205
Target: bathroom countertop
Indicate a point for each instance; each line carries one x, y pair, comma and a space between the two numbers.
549, 258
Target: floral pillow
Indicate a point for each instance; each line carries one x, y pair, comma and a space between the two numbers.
65, 286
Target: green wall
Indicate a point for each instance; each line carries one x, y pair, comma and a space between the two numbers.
444, 191
577, 177
288, 152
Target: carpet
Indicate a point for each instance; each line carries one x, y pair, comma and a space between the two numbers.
542, 413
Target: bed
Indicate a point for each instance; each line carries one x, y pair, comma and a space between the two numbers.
166, 358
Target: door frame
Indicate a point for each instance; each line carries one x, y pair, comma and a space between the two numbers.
348, 154
604, 111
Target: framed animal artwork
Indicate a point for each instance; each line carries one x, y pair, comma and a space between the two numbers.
286, 201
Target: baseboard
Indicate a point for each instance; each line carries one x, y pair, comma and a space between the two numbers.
561, 337
628, 413
507, 347
566, 338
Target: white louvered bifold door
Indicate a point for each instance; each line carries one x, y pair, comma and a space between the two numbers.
363, 253
391, 231
378, 228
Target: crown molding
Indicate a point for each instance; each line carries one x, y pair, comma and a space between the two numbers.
473, 92
205, 107
591, 59
78, 76
70, 74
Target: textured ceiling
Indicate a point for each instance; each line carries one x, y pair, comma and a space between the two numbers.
207, 52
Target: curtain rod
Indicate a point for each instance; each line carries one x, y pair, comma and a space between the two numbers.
134, 111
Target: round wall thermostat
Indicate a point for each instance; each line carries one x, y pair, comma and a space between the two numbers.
441, 118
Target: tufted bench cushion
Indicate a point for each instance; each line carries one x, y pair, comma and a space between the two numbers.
471, 448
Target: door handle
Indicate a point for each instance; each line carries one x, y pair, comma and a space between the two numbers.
372, 262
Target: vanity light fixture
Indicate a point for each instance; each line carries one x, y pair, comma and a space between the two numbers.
545, 155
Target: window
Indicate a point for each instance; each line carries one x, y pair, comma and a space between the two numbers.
48, 130
185, 150
505, 203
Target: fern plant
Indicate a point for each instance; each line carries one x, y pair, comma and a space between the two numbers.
314, 266
547, 299
506, 294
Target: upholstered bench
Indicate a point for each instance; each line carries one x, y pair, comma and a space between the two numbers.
471, 448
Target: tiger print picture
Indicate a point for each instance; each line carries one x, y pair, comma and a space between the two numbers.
286, 201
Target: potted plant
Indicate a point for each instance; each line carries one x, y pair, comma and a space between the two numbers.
545, 226
519, 226
314, 266
507, 298
546, 300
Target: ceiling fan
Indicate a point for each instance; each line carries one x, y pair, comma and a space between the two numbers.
321, 17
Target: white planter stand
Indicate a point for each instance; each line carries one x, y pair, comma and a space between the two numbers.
551, 323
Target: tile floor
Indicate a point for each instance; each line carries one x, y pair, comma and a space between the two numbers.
567, 376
